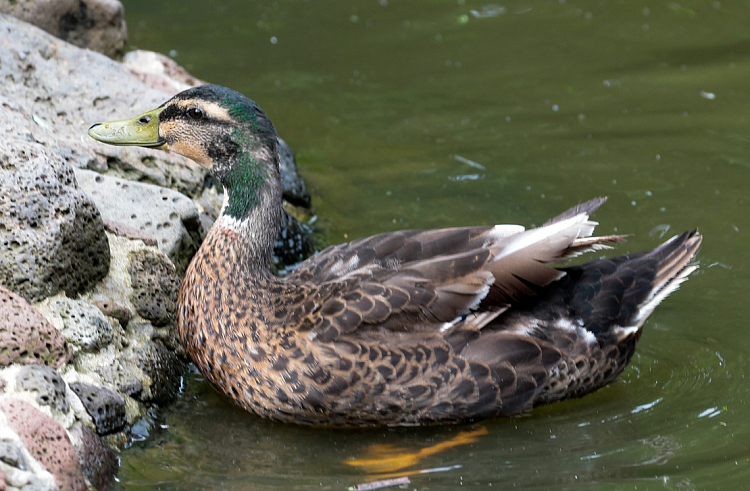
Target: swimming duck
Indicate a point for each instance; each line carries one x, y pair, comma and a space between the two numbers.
401, 328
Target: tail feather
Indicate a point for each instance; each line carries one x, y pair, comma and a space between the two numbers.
676, 262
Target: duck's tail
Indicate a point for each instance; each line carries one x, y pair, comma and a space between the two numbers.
614, 297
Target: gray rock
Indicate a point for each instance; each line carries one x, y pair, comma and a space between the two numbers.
106, 407
52, 92
83, 325
155, 286
122, 374
12, 455
294, 189
293, 244
171, 218
94, 24
46, 383
52, 234
159, 71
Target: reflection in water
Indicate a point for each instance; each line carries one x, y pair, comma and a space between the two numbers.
389, 458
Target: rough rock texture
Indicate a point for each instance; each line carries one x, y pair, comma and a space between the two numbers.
168, 216
106, 407
159, 71
94, 24
26, 336
51, 233
155, 287
18, 469
99, 462
52, 92
46, 383
84, 326
47, 442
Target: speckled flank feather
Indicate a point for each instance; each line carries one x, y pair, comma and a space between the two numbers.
402, 328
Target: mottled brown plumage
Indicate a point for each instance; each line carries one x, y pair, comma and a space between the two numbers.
408, 327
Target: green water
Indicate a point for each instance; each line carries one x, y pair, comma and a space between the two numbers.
422, 114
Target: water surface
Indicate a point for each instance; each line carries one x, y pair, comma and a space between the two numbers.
419, 114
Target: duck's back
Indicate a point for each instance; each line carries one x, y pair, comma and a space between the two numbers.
420, 327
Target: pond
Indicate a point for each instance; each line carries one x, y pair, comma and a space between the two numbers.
424, 114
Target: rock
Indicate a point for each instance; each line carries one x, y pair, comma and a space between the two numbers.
100, 463
26, 336
84, 326
46, 383
52, 92
11, 454
129, 232
106, 407
46, 441
293, 244
165, 371
113, 309
294, 189
171, 218
52, 234
94, 24
155, 287
121, 373
159, 71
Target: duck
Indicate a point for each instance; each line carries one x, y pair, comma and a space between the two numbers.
410, 327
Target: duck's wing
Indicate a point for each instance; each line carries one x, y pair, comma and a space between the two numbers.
428, 279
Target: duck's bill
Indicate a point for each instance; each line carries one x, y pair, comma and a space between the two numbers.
142, 131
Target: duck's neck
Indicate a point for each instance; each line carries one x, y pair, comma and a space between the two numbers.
252, 203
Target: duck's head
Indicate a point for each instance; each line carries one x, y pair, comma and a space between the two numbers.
217, 127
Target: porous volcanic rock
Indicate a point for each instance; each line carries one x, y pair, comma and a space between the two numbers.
26, 336
46, 383
168, 216
51, 233
47, 441
155, 287
84, 326
94, 24
99, 462
106, 407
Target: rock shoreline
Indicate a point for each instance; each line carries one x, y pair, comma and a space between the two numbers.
94, 240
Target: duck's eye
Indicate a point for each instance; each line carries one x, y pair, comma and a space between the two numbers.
195, 113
